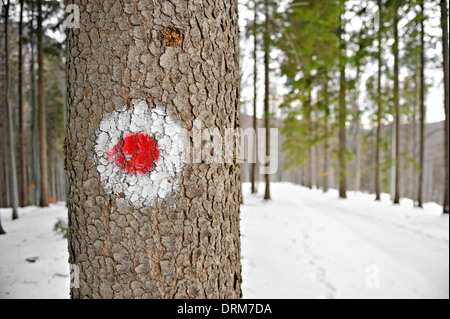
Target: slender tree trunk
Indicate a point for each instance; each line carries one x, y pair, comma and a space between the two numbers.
357, 122
3, 144
185, 244
444, 24
35, 167
308, 112
396, 109
266, 93
392, 159
358, 156
42, 113
12, 150
255, 96
380, 107
342, 108
422, 109
416, 135
23, 167
325, 140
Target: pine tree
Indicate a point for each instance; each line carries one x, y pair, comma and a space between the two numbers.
186, 245
422, 105
6, 4
444, 24
267, 91
342, 109
42, 110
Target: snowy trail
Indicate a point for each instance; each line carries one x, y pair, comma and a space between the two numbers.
32, 236
307, 245
302, 244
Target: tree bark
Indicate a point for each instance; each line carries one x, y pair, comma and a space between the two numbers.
35, 111
380, 107
181, 56
325, 141
255, 96
42, 113
23, 167
396, 109
267, 92
342, 108
12, 150
444, 24
422, 108
308, 120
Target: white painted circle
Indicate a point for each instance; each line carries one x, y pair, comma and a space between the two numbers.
141, 189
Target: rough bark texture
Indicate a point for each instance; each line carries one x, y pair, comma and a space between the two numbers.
187, 246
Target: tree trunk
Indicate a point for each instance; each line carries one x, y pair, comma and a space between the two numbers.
325, 141
342, 108
396, 110
358, 156
308, 112
23, 167
12, 150
380, 108
444, 24
42, 113
178, 58
422, 108
357, 123
255, 97
266, 93
35, 112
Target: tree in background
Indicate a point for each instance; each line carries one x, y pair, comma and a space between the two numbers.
395, 8
21, 104
444, 24
342, 108
308, 41
42, 112
266, 37
379, 100
14, 192
422, 18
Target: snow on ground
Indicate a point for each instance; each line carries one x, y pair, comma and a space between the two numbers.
305, 244
32, 236
302, 244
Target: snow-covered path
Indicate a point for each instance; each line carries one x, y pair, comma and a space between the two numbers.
304, 244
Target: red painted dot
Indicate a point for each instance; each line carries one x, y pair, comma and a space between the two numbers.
135, 153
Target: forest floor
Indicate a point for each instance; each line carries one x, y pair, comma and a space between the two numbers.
302, 244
